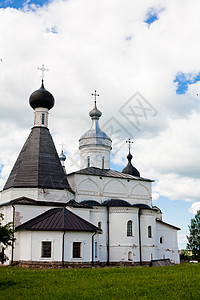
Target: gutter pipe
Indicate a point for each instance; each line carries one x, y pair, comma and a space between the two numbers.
93, 248
63, 248
12, 246
108, 237
139, 229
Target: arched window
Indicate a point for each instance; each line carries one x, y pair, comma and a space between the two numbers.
130, 256
99, 224
129, 228
161, 240
149, 232
103, 162
88, 161
42, 119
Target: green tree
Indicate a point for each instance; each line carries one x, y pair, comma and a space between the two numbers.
194, 237
6, 237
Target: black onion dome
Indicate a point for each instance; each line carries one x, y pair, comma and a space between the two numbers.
90, 203
116, 203
41, 98
130, 169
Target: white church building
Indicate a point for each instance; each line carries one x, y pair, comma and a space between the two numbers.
94, 216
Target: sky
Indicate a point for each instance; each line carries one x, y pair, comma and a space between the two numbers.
141, 56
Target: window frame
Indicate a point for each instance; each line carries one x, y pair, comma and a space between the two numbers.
150, 232
78, 248
43, 256
103, 162
99, 225
129, 228
43, 119
88, 162
161, 240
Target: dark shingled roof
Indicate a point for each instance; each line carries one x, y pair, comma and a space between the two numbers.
28, 201
38, 164
58, 219
108, 173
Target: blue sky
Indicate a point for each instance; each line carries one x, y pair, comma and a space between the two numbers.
20, 4
141, 47
184, 81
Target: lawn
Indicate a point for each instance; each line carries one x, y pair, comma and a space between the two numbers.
176, 282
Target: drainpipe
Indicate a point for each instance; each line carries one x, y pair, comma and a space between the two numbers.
108, 237
139, 231
63, 248
93, 248
12, 249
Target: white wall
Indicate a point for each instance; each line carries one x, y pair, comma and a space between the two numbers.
148, 218
88, 187
36, 194
96, 154
169, 247
29, 245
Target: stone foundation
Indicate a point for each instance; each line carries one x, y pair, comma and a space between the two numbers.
70, 265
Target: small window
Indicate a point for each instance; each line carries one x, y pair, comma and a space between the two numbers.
103, 162
95, 249
99, 224
88, 161
161, 240
130, 256
42, 119
129, 228
149, 232
76, 250
46, 249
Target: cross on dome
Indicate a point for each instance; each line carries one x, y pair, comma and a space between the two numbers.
129, 144
95, 96
62, 146
43, 70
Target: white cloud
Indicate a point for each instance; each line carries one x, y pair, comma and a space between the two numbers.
194, 207
155, 196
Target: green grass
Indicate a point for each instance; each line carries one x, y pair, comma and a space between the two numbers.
176, 282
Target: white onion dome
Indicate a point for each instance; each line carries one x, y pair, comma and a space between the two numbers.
41, 98
95, 136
